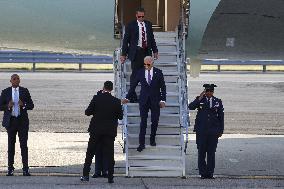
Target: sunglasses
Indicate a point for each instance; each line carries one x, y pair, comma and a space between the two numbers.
140, 16
147, 64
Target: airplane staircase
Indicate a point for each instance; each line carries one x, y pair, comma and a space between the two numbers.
167, 159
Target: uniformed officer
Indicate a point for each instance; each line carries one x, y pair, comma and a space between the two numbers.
209, 126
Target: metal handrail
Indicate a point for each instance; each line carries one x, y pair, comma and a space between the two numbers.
120, 86
184, 92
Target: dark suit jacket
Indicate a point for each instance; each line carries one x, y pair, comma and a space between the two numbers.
156, 91
25, 97
106, 110
208, 120
131, 37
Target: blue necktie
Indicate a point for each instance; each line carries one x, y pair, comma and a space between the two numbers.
16, 103
149, 77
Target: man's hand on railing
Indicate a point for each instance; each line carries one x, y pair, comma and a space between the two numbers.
124, 101
162, 104
156, 56
122, 59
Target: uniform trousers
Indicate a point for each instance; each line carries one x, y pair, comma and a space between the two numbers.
206, 145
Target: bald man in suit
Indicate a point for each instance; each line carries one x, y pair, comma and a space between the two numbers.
15, 101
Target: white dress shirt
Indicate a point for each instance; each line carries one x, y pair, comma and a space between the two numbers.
146, 74
210, 100
140, 33
13, 97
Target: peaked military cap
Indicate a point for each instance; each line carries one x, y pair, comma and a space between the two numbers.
209, 87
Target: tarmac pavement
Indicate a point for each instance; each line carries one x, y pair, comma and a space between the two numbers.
253, 102
249, 154
56, 161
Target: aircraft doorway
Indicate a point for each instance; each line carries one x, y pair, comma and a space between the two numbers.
164, 14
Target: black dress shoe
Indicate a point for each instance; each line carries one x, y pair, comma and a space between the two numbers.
96, 175
153, 143
110, 180
10, 172
84, 178
104, 175
140, 148
203, 177
210, 177
26, 173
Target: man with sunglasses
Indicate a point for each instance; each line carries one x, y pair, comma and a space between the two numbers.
209, 126
152, 97
138, 42
15, 101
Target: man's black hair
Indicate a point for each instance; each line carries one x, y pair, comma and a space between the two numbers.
140, 9
108, 85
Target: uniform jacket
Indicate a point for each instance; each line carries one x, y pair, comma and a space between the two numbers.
208, 120
156, 91
25, 97
131, 37
106, 110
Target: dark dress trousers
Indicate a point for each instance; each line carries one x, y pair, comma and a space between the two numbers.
106, 111
16, 125
100, 161
150, 97
209, 124
135, 53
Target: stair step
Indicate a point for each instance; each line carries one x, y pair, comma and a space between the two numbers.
171, 57
165, 34
152, 157
158, 62
165, 64
155, 168
171, 87
164, 73
168, 48
163, 120
133, 139
168, 53
166, 110
170, 104
137, 114
134, 107
165, 43
161, 125
165, 67
160, 130
155, 173
168, 84
159, 146
151, 162
155, 151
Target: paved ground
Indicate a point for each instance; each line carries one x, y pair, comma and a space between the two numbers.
56, 161
237, 154
249, 155
137, 183
253, 102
